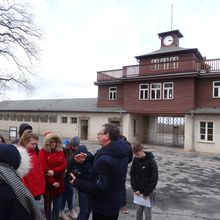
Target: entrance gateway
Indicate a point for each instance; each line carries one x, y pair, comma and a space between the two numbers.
166, 131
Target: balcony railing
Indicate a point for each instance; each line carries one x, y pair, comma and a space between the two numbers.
177, 66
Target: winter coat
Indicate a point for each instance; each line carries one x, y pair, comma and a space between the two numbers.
82, 171
144, 174
53, 160
16, 202
10, 207
35, 180
108, 176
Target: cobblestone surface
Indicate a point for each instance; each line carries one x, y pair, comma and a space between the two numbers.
188, 187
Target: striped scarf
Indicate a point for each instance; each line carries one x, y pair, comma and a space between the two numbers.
9, 176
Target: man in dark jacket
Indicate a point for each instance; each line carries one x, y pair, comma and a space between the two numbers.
144, 177
108, 174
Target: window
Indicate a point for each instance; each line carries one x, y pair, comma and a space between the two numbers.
168, 90
112, 93
64, 120
206, 131
216, 89
35, 118
143, 91
43, 118
20, 117
174, 64
155, 64
155, 92
164, 63
52, 118
12, 117
27, 117
73, 120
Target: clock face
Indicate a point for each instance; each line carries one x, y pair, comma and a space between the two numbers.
168, 40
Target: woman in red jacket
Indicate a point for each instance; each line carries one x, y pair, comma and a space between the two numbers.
54, 164
34, 180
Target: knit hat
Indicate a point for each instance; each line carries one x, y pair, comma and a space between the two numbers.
65, 142
10, 155
75, 141
23, 127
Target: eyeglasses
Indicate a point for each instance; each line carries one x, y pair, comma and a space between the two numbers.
101, 133
53, 141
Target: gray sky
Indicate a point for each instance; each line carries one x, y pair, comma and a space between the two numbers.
86, 36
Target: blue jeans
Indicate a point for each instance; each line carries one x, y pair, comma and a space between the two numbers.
56, 200
67, 196
84, 206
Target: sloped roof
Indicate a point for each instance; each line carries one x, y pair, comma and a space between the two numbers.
172, 49
56, 105
205, 111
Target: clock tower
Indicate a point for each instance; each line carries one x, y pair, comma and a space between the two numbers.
170, 38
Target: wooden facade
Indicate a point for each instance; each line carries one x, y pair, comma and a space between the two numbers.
172, 96
192, 76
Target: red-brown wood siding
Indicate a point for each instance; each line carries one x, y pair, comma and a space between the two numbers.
183, 98
103, 96
187, 62
204, 89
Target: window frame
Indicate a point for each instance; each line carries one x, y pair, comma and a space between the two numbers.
144, 91
168, 89
206, 131
213, 90
174, 62
152, 89
155, 64
73, 120
164, 63
112, 94
62, 122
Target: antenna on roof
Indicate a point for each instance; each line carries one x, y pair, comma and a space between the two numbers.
171, 17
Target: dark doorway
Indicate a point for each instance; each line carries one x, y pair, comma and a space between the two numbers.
84, 129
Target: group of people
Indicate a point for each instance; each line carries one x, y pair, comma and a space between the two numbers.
52, 173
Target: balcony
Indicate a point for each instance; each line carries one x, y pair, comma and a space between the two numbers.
160, 68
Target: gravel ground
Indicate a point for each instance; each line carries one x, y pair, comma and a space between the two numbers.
188, 187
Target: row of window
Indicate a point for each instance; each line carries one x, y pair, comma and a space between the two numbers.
165, 63
146, 91
38, 118
153, 91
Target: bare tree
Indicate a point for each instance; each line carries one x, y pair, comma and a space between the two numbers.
19, 40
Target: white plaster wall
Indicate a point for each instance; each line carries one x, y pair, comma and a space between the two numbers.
189, 133
67, 130
213, 147
128, 127
209, 147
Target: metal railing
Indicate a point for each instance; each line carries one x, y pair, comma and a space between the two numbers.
177, 66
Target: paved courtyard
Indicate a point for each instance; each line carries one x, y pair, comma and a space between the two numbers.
188, 187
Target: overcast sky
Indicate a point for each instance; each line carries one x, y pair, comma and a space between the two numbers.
82, 37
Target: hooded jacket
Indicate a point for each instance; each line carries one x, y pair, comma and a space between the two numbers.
16, 202
53, 160
108, 176
144, 174
35, 180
